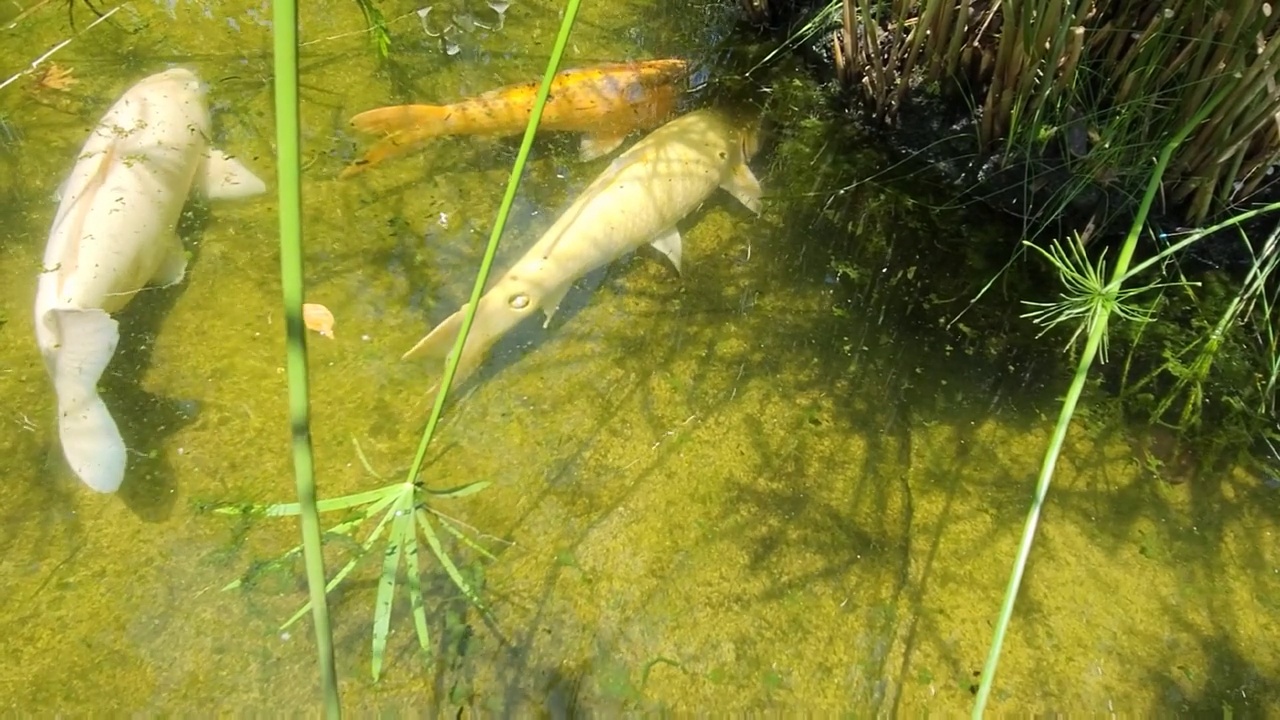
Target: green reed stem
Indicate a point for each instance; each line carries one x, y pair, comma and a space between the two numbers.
482, 277
1073, 397
284, 32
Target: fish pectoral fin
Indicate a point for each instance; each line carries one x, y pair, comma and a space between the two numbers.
425, 119
89, 436
438, 342
222, 177
387, 148
174, 266
743, 185
551, 303
598, 144
668, 243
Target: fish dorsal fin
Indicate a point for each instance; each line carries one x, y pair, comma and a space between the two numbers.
222, 177
668, 243
744, 186
599, 144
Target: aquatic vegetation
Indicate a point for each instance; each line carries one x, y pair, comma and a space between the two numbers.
405, 511
1090, 304
284, 37
377, 26
1088, 300
1110, 80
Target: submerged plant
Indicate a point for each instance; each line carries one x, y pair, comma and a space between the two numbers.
405, 513
377, 27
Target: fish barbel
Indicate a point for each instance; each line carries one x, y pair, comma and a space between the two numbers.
606, 102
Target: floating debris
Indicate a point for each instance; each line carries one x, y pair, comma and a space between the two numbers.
56, 77
461, 23
450, 37
423, 12
317, 317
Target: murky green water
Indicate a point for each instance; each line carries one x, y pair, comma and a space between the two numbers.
777, 482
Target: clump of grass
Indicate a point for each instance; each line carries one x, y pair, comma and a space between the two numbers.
1133, 71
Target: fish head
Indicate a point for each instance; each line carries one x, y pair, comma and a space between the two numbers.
179, 79
500, 309
518, 295
164, 111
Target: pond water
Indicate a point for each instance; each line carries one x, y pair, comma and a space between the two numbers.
784, 480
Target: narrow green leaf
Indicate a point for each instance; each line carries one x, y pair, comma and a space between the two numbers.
458, 492
461, 536
414, 582
338, 503
346, 569
425, 522
387, 585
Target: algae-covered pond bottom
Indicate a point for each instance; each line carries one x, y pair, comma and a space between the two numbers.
782, 480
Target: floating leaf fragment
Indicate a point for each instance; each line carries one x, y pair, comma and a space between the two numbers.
317, 317
56, 77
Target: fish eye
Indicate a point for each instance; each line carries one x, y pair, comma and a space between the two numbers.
519, 301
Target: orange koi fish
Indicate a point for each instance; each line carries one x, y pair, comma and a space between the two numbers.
606, 102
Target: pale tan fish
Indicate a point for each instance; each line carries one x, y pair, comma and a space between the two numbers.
638, 199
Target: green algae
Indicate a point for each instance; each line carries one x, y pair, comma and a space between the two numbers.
787, 479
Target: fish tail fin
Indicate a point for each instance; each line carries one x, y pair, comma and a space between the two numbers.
439, 342
406, 127
90, 439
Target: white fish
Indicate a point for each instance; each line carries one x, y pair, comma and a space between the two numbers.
115, 233
638, 199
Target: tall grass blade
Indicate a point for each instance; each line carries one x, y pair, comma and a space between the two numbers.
1094, 342
284, 31
499, 224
